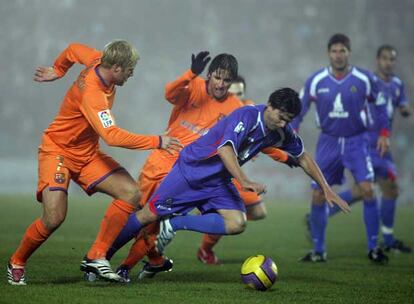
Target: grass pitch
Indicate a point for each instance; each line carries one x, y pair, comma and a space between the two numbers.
348, 276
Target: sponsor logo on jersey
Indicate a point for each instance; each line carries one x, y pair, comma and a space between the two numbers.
239, 128
338, 108
106, 118
323, 90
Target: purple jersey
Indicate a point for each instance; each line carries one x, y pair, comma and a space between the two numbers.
391, 95
341, 104
245, 130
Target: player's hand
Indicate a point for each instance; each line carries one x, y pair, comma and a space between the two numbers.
199, 62
333, 198
170, 144
383, 145
44, 74
253, 187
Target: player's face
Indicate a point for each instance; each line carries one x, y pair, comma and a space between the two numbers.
338, 56
122, 75
219, 83
275, 118
237, 88
386, 62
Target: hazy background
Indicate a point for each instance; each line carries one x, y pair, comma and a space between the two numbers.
277, 43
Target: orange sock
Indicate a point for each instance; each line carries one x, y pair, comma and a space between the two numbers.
136, 253
34, 236
114, 220
209, 241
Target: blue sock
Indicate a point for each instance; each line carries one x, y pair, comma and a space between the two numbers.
319, 221
387, 218
347, 197
371, 219
212, 223
129, 231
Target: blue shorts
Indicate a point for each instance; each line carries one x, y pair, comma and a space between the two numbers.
384, 167
175, 196
334, 154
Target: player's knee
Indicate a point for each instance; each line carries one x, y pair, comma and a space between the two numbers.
255, 214
53, 221
235, 226
392, 191
318, 198
131, 194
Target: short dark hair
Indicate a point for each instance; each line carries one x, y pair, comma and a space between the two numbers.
339, 38
286, 100
240, 79
224, 62
385, 47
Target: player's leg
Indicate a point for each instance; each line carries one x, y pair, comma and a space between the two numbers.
103, 174
54, 177
328, 157
390, 192
358, 161
255, 210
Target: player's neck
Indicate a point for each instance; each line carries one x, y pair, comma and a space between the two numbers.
383, 76
105, 76
339, 74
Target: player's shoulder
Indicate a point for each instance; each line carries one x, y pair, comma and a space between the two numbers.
363, 75
318, 74
397, 80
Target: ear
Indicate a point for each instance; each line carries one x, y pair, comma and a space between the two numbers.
116, 68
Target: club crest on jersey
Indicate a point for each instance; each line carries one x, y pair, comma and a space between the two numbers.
60, 178
354, 89
106, 118
239, 128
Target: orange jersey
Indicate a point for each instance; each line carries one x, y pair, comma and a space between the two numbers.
194, 112
85, 114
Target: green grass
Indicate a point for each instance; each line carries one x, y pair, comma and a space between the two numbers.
348, 276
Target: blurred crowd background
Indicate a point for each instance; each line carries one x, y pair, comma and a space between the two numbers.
277, 43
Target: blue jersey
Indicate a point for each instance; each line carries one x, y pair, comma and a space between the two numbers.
245, 131
341, 104
391, 95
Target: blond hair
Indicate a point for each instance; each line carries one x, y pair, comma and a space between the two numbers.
121, 53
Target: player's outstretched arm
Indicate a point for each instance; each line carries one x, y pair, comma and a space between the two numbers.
45, 74
312, 169
229, 159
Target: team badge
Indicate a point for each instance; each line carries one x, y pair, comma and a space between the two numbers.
106, 118
353, 89
60, 178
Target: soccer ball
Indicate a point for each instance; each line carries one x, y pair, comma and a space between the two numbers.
259, 272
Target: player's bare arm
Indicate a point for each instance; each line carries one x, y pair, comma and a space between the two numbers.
311, 168
229, 159
383, 144
45, 74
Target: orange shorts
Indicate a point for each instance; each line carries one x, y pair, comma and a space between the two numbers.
249, 198
56, 170
152, 173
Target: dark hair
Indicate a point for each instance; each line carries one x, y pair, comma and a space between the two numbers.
339, 38
385, 47
240, 79
286, 100
224, 62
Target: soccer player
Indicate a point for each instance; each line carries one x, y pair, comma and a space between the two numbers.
70, 150
391, 96
201, 177
198, 105
341, 92
255, 208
